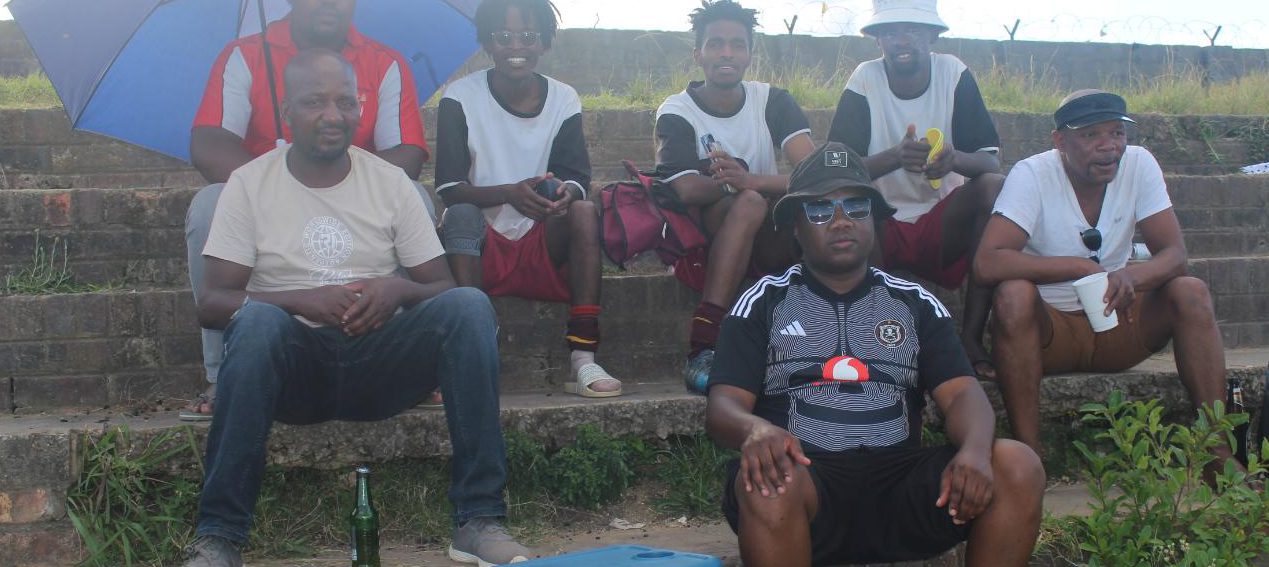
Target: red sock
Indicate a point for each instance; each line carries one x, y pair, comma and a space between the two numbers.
705, 323
583, 328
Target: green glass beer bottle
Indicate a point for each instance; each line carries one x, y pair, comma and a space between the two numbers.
364, 524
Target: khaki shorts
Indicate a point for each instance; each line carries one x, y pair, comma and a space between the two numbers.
1076, 348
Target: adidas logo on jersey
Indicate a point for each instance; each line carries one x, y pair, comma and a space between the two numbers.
794, 330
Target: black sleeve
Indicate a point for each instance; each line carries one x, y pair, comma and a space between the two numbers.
453, 158
852, 123
569, 160
676, 146
972, 128
941, 357
740, 359
784, 116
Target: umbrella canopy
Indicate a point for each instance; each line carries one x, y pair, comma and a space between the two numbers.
136, 69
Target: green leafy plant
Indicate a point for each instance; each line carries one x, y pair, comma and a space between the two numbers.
1151, 505
693, 470
127, 506
593, 470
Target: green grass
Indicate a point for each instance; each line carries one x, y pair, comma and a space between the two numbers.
1036, 91
30, 91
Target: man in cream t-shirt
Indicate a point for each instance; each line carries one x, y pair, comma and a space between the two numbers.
1071, 212
302, 265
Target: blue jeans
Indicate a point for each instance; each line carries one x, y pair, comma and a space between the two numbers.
277, 368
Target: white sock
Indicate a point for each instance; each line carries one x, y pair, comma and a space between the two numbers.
580, 358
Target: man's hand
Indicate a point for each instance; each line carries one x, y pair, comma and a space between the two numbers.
913, 152
525, 199
729, 170
966, 487
568, 193
943, 164
326, 305
1121, 292
379, 298
767, 459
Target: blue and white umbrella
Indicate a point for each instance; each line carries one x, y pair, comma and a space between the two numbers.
136, 69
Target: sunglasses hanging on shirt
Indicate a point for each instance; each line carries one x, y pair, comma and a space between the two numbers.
1093, 241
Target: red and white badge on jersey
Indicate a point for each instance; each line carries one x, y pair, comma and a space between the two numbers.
845, 369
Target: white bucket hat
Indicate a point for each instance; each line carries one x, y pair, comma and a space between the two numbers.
904, 12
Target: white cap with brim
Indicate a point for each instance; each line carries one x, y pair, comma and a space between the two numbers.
923, 12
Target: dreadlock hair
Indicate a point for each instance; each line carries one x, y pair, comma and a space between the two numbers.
491, 16
721, 10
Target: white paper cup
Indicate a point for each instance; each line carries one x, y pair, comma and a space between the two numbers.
1092, 292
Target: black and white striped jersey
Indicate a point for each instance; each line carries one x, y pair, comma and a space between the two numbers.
839, 371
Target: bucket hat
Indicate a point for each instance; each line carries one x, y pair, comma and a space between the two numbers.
904, 12
830, 167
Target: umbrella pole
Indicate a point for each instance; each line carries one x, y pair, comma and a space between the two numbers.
268, 66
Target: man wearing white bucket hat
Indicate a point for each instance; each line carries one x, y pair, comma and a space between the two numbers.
1069, 213
930, 144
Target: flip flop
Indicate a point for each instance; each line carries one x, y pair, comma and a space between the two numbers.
191, 411
989, 374
587, 375
433, 401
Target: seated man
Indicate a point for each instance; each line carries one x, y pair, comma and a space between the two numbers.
943, 203
819, 381
502, 135
729, 186
235, 123
1071, 212
302, 266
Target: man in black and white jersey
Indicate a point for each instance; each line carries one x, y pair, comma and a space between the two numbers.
730, 186
819, 380
944, 200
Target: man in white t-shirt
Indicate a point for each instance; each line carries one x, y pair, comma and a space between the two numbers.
1071, 212
301, 273
731, 188
943, 204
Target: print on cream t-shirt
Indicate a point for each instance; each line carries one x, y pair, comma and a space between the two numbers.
296, 237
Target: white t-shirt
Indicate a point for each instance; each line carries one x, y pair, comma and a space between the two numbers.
1039, 198
295, 237
767, 120
871, 119
483, 142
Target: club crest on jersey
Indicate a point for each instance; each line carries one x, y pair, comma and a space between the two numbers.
890, 333
845, 369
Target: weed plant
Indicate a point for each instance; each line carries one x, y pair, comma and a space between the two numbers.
49, 272
692, 471
127, 506
1150, 506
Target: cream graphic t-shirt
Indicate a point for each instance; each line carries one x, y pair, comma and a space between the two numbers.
295, 237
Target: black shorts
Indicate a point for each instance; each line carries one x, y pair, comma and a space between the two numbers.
876, 505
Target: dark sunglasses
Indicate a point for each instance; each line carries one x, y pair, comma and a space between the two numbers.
526, 38
1093, 242
820, 211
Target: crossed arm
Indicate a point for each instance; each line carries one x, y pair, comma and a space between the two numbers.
358, 307
700, 190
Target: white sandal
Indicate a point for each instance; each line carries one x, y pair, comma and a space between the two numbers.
588, 374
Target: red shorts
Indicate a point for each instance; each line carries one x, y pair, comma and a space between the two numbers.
522, 268
916, 247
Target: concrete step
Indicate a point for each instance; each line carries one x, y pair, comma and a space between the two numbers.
45, 448
141, 348
40, 149
136, 236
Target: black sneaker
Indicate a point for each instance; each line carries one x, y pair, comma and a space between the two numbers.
213, 551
